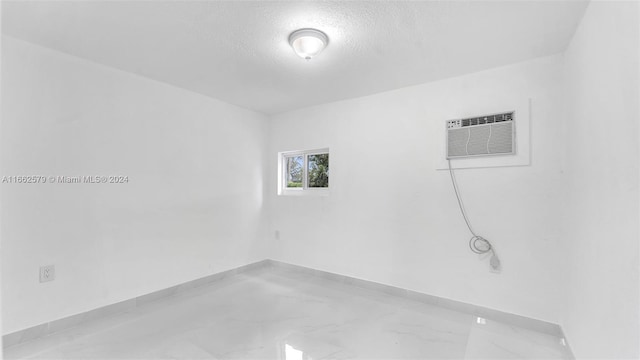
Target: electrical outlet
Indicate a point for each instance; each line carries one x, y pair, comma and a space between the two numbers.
47, 273
494, 264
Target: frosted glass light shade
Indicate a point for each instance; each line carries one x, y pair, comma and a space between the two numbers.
308, 43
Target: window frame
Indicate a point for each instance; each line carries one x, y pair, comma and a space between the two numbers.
305, 189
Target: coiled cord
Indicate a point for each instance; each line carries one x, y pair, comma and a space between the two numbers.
477, 243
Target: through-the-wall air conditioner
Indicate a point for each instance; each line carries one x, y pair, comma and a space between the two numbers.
481, 136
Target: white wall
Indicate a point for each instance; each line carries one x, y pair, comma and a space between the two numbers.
1, 320
392, 218
193, 205
601, 212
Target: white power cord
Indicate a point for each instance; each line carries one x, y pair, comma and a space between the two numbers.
477, 243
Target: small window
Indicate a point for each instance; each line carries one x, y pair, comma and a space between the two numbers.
304, 172
295, 165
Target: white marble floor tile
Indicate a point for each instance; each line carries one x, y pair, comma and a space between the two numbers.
495, 340
276, 314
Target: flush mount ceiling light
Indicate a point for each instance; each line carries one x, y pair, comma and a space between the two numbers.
308, 43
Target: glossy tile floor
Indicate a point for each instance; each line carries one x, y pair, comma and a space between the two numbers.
277, 314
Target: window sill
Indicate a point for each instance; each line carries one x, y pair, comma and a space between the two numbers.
306, 192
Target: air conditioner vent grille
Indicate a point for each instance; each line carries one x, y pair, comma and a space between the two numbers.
481, 136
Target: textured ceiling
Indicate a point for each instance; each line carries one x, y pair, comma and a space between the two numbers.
237, 51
